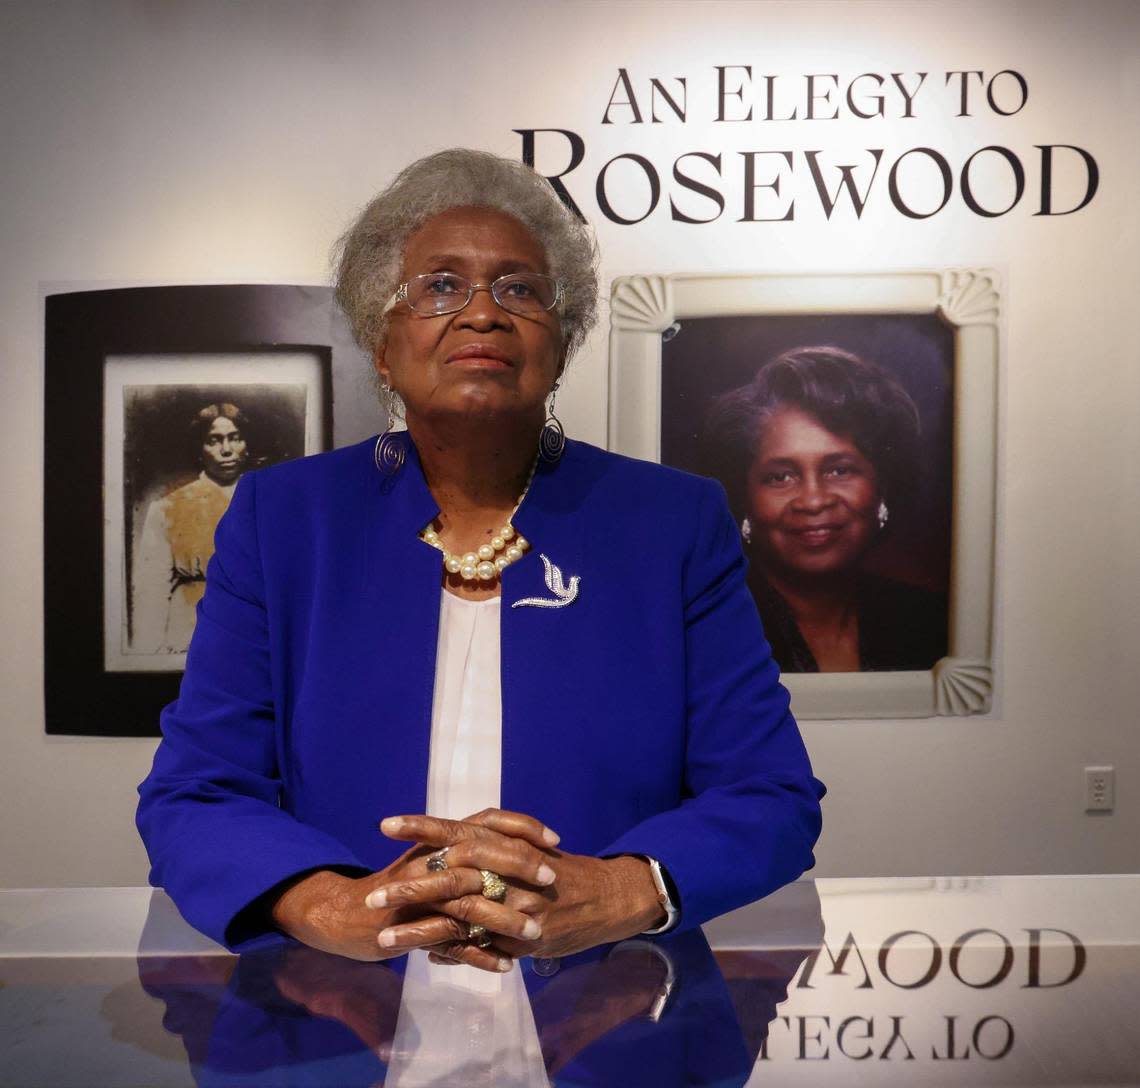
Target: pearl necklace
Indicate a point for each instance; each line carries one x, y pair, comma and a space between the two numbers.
488, 561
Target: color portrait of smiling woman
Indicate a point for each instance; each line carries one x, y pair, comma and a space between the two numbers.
823, 449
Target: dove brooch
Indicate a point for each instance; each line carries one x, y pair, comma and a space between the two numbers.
563, 594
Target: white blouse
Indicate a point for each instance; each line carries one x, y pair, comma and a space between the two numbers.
458, 1024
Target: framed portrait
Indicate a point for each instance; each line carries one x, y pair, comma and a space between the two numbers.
852, 421
178, 433
171, 394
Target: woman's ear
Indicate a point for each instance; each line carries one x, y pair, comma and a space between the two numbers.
381, 368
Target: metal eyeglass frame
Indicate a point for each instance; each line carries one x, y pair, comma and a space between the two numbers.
401, 295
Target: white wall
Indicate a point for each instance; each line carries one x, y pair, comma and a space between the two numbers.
217, 142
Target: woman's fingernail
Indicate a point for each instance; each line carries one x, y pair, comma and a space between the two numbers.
532, 930
552, 837
391, 825
378, 898
387, 938
545, 874
504, 964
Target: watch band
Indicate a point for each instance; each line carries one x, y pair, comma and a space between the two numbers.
662, 883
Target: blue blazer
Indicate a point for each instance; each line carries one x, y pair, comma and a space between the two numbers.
645, 717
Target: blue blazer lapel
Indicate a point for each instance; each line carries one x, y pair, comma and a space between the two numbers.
389, 641
535, 667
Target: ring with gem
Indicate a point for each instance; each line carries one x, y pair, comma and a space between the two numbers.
437, 862
478, 935
494, 887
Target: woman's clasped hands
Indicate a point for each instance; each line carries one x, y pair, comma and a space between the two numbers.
555, 903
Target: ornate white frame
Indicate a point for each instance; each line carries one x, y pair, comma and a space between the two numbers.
969, 300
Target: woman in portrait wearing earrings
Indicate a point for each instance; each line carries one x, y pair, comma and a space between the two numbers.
536, 662
822, 449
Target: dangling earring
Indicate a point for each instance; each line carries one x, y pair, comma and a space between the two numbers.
389, 452
552, 441
883, 514
746, 530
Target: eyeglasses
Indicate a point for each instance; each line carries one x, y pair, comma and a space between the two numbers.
524, 293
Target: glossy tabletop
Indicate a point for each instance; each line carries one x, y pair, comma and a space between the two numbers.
927, 981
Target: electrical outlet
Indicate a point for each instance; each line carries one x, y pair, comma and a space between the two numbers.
1100, 789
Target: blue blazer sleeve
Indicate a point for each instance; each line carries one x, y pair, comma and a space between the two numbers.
750, 813
209, 810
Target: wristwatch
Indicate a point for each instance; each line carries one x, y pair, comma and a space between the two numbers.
666, 896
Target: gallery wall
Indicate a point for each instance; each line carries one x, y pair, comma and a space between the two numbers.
154, 143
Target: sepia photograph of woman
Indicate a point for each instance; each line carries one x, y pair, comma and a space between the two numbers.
169, 572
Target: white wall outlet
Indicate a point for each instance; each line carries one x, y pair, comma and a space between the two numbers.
1100, 789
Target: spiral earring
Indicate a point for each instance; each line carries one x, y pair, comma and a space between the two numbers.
883, 514
746, 530
552, 441
389, 452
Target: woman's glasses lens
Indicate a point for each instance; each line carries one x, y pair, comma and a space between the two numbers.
518, 293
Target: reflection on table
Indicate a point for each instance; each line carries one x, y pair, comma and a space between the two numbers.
1024, 981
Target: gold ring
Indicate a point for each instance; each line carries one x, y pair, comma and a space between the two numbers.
494, 887
478, 935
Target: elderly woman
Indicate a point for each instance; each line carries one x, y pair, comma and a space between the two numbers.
526, 665
823, 449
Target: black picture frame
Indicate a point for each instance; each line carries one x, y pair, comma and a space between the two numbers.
83, 329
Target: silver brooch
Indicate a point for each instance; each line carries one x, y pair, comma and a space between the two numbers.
563, 594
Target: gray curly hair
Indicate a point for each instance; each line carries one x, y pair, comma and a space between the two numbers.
368, 255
